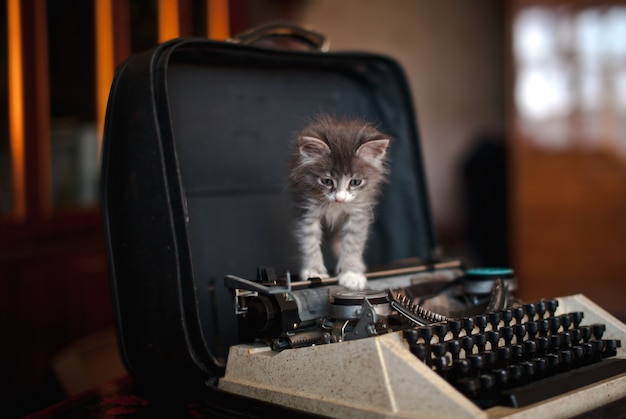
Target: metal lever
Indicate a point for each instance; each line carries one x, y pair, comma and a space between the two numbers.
235, 282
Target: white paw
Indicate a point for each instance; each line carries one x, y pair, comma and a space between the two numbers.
352, 280
313, 273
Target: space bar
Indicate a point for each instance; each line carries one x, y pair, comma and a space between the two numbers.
562, 383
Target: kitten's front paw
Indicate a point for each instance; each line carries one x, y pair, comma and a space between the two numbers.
352, 280
313, 273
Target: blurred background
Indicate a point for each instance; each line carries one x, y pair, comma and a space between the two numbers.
521, 107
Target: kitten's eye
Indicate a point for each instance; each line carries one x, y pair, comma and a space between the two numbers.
326, 181
356, 182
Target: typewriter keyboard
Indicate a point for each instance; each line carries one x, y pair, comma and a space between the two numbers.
517, 356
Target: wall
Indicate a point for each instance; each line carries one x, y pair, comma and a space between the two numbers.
453, 54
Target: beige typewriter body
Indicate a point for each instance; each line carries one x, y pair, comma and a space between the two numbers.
378, 377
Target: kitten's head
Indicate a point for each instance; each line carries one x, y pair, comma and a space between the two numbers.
339, 161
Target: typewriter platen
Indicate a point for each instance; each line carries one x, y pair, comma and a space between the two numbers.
427, 340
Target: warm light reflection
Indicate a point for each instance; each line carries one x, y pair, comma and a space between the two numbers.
168, 20
570, 84
16, 107
42, 109
104, 59
218, 19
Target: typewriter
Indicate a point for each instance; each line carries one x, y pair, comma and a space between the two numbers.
432, 340
194, 195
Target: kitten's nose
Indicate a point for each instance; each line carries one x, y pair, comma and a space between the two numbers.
340, 196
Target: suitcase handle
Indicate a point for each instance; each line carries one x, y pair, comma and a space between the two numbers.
283, 35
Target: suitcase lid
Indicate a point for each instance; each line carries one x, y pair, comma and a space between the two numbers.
194, 169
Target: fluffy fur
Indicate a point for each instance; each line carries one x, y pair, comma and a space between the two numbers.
336, 172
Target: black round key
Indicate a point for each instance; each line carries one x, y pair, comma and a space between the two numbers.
610, 347
528, 370
439, 349
468, 386
426, 333
507, 334
460, 368
419, 350
506, 315
566, 357
577, 318
551, 306
578, 354
501, 376
520, 331
541, 308
480, 321
489, 358
518, 314
530, 348
441, 365
455, 327
555, 342
543, 345
555, 324
467, 343
530, 310
541, 366
543, 326
552, 361
468, 325
410, 335
504, 355
566, 340
566, 321
454, 347
441, 329
516, 353
575, 336
493, 337
487, 381
477, 362
515, 372
585, 332
598, 347
588, 352
494, 319
531, 329
598, 330
480, 340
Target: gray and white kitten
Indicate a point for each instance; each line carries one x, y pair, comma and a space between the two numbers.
336, 172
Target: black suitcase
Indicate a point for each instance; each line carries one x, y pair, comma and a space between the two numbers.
196, 141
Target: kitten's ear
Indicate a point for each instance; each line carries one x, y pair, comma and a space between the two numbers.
373, 151
311, 147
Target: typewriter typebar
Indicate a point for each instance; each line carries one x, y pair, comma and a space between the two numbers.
387, 352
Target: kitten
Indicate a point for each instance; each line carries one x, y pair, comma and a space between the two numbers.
336, 172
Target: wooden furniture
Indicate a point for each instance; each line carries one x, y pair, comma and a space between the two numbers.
567, 159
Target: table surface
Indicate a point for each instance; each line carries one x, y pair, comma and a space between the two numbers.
127, 398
